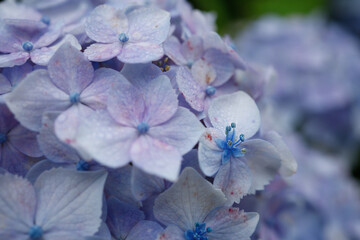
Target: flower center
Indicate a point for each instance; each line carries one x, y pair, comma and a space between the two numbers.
210, 90
35, 232
74, 97
199, 233
27, 46
163, 64
3, 138
231, 145
46, 20
143, 127
82, 166
123, 37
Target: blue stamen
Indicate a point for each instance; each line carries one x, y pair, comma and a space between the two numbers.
3, 138
143, 127
190, 63
123, 37
82, 166
45, 20
230, 145
210, 90
74, 97
35, 232
199, 233
27, 46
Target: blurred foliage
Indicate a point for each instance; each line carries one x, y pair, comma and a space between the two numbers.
235, 11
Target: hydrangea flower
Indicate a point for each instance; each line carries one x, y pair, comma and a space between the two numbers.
69, 86
55, 207
132, 36
193, 209
242, 165
142, 125
17, 144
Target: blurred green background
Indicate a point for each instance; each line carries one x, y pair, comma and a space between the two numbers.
237, 12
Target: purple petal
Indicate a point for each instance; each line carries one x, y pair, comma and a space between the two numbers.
150, 25
100, 52
192, 49
182, 131
213, 40
12, 160
156, 157
140, 74
50, 36
37, 169
160, 101
209, 153
50, 144
187, 201
193, 93
75, 193
13, 59
9, 43
222, 65
7, 120
95, 95
141, 52
122, 217
105, 23
105, 140
17, 205
33, 96
70, 70
231, 224
144, 185
238, 108
172, 48
5, 85
234, 179
145, 230
25, 141
263, 160
16, 74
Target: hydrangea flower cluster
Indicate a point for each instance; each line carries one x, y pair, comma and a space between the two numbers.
125, 120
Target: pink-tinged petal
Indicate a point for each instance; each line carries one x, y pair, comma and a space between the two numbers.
172, 232
148, 24
35, 95
96, 94
13, 59
193, 93
182, 131
288, 162
126, 103
238, 108
5, 85
209, 153
222, 65
213, 40
64, 199
100, 52
234, 179
25, 141
145, 230
17, 205
104, 24
50, 36
144, 185
172, 49
231, 224
67, 123
192, 49
264, 162
156, 157
141, 52
105, 140
187, 201
70, 70
122, 217
203, 73
141, 74
160, 101
43, 55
